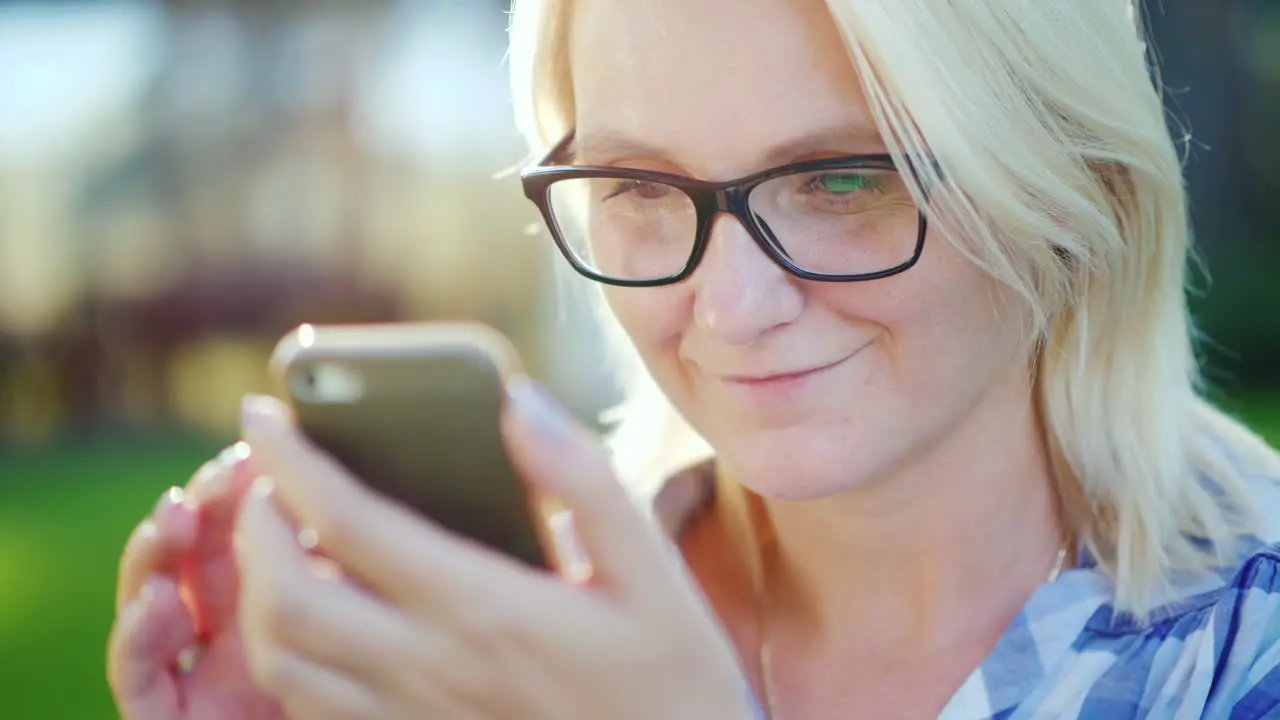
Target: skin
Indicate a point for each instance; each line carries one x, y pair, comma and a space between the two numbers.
403, 619
185, 548
916, 466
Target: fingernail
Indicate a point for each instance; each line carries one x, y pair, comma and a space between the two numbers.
148, 530
568, 543
146, 593
214, 479
308, 539
133, 612
260, 413
172, 497
233, 456
209, 483
138, 606
263, 487
537, 407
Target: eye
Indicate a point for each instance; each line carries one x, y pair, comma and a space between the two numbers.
639, 188
843, 183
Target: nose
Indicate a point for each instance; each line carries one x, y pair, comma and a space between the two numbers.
740, 293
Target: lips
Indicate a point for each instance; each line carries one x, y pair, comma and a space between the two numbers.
782, 376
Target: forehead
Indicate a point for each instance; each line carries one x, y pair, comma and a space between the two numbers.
715, 83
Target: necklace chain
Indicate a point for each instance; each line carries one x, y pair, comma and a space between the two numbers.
762, 615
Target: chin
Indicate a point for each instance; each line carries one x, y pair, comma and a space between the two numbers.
799, 465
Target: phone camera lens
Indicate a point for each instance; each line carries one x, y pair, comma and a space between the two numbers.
328, 382
304, 384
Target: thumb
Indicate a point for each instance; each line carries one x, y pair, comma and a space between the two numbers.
153, 630
556, 456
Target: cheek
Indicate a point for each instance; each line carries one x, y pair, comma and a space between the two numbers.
943, 322
654, 318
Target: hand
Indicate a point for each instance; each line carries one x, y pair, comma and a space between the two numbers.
177, 592
417, 622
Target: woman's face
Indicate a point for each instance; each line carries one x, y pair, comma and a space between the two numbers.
805, 389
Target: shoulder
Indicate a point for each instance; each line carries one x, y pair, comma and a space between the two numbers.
1247, 627
1246, 619
1214, 646
1229, 642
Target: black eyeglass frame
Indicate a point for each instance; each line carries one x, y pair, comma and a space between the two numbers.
709, 200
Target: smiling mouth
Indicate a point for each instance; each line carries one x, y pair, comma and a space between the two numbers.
750, 380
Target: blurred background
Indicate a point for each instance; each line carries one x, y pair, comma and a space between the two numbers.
182, 182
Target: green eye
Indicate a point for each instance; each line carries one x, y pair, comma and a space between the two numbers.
843, 183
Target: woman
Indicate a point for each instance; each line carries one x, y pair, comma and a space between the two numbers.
913, 273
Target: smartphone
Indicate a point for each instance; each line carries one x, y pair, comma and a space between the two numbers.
411, 409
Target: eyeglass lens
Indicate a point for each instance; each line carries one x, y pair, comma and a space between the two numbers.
850, 221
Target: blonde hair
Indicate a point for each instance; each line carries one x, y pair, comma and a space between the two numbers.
1057, 174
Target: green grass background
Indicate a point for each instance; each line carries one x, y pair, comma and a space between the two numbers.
64, 516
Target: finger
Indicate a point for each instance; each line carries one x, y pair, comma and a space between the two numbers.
156, 545
560, 458
220, 486
209, 571
290, 601
175, 528
573, 562
395, 552
307, 690
153, 629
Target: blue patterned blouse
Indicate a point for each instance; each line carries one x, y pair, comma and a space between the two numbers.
1211, 650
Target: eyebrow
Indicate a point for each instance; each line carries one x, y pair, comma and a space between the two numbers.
605, 147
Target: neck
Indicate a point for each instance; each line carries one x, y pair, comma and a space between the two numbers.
951, 544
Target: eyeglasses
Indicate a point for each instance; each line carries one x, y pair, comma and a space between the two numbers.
842, 219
